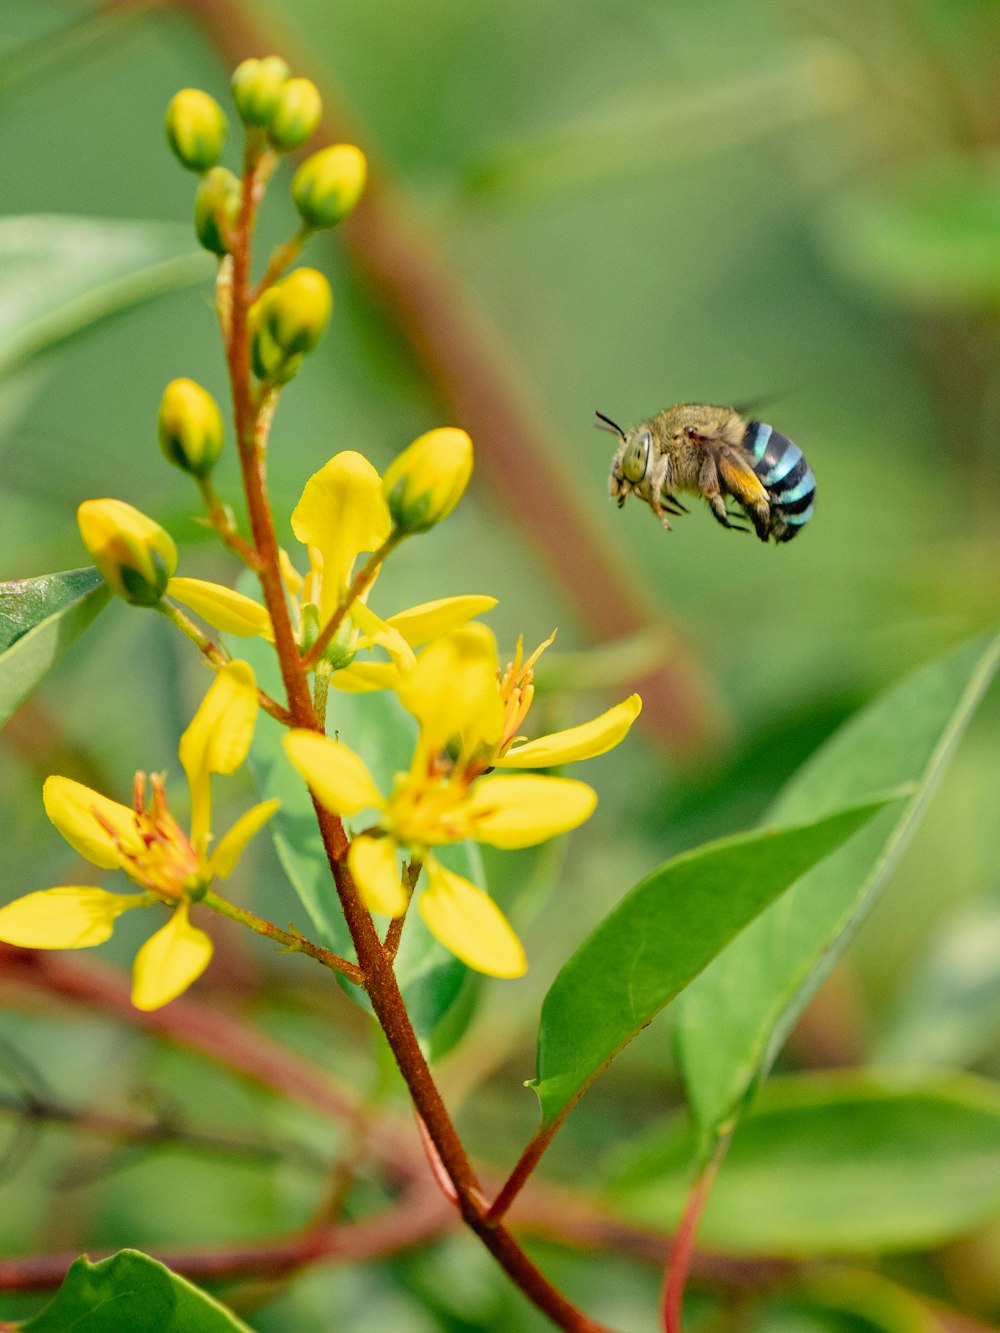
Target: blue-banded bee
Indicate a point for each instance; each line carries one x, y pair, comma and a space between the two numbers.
716, 453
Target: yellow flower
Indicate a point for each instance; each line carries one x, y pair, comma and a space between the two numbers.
146, 842
466, 711
341, 514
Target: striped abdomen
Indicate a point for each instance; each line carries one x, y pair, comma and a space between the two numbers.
788, 478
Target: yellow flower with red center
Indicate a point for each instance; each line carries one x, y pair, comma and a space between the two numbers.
173, 867
468, 723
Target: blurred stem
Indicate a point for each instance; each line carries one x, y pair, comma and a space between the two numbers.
221, 520
291, 941
679, 1264
214, 655
321, 690
281, 257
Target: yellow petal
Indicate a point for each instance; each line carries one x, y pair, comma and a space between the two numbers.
430, 620
338, 777
291, 576
169, 961
230, 847
223, 607
64, 918
218, 739
454, 684
363, 677
342, 512
374, 864
468, 922
583, 742
521, 811
74, 808
377, 631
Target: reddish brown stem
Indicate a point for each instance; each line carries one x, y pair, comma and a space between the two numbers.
518, 1178
252, 420
679, 1263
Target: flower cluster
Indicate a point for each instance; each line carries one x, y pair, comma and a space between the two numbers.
438, 658
469, 715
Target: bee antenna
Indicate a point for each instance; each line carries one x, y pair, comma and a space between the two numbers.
608, 424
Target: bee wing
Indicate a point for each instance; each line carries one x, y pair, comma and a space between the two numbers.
740, 480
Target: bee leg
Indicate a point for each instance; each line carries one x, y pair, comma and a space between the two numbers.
722, 515
659, 482
667, 498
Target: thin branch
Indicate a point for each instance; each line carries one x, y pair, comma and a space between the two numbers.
359, 584
290, 940
215, 656
679, 1263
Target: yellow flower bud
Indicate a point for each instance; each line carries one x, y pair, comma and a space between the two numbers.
190, 427
299, 109
298, 311
328, 185
216, 208
196, 128
425, 483
257, 86
269, 361
135, 555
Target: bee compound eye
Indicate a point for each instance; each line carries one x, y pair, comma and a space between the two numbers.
691, 432
636, 458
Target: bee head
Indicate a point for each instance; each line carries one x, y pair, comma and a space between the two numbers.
631, 461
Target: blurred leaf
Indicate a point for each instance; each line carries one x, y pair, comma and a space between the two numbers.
906, 735
835, 1164
39, 620
127, 1292
375, 725
653, 128
930, 236
658, 938
60, 275
848, 1300
948, 1008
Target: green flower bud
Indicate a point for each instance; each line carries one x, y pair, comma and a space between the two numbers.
299, 109
298, 311
257, 86
269, 361
135, 555
190, 427
328, 185
425, 483
196, 128
216, 208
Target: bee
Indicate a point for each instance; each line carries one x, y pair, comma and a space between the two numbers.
716, 453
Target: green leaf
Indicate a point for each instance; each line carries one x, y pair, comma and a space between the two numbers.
431, 979
127, 1292
60, 275
847, 1164
907, 735
39, 620
659, 938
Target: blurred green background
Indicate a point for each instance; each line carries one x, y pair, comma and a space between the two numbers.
787, 203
